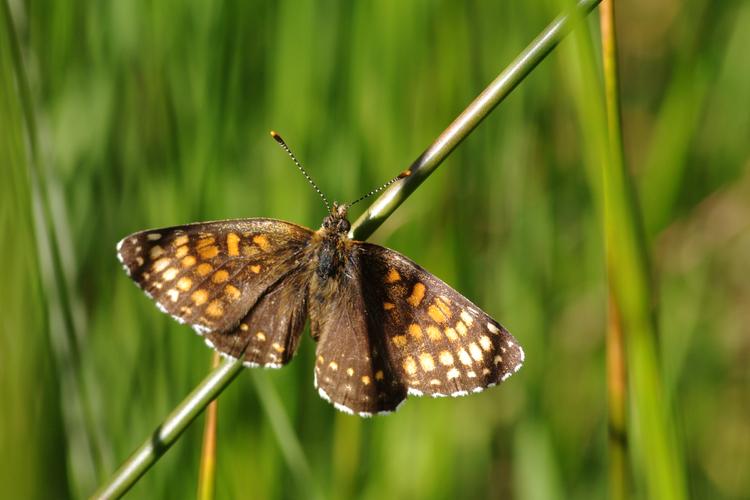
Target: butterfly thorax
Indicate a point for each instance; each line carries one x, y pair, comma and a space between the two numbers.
332, 241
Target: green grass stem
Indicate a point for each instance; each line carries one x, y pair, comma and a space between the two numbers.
166, 434
207, 471
619, 469
651, 429
469, 119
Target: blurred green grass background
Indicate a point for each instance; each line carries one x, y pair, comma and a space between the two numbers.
150, 115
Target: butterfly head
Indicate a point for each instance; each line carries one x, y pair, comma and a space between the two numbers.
336, 220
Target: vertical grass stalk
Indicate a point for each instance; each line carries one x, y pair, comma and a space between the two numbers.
207, 472
619, 472
655, 455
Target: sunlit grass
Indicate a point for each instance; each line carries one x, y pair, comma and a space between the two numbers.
151, 115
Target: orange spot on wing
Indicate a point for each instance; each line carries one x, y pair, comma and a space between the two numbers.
417, 294
388, 306
199, 297
181, 252
436, 314
204, 269
188, 261
392, 276
205, 241
255, 268
262, 242
233, 244
399, 340
215, 309
451, 334
220, 276
434, 333
180, 240
208, 252
415, 331
444, 308
232, 292
410, 366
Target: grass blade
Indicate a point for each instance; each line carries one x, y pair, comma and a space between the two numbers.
656, 457
207, 472
468, 120
165, 435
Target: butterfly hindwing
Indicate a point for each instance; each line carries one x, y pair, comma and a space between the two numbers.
270, 332
211, 274
437, 341
351, 368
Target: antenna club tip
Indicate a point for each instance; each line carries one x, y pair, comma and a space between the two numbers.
276, 136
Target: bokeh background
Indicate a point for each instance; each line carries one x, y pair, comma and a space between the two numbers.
149, 114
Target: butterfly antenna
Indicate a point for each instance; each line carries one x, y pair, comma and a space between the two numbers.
283, 145
405, 173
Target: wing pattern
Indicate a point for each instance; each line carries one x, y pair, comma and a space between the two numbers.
438, 341
222, 278
388, 328
385, 327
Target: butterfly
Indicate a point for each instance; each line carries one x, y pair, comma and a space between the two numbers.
385, 328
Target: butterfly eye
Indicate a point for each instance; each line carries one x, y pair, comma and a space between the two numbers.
343, 225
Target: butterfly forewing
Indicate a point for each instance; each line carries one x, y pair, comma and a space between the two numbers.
437, 341
211, 274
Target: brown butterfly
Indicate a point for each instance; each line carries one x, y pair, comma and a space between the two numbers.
384, 326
